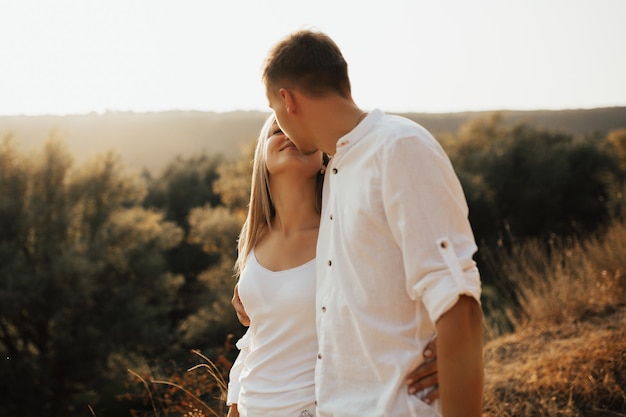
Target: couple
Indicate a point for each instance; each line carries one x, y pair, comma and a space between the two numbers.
343, 296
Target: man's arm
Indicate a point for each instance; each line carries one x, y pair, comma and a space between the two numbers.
460, 354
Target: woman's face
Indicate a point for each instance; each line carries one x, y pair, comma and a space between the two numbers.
282, 156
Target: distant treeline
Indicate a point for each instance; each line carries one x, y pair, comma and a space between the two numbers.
149, 140
103, 270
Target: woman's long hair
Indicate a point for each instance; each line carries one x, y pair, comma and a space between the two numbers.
261, 211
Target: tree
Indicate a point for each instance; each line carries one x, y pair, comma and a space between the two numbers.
527, 182
617, 146
83, 278
233, 182
186, 183
617, 140
216, 230
192, 192
183, 185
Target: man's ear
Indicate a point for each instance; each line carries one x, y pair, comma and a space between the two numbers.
289, 100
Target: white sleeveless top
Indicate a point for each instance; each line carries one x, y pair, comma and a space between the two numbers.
275, 370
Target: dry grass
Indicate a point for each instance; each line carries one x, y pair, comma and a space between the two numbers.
192, 394
567, 354
567, 371
575, 279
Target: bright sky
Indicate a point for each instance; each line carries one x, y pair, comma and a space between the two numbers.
79, 56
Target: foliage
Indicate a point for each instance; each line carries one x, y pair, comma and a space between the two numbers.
234, 182
83, 277
187, 191
617, 139
183, 185
216, 230
523, 183
186, 183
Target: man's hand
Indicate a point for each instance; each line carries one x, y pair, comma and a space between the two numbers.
241, 312
425, 376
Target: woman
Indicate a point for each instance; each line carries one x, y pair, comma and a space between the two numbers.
274, 372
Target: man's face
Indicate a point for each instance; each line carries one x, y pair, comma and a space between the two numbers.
290, 125
277, 104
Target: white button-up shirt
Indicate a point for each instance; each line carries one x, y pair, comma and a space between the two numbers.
395, 251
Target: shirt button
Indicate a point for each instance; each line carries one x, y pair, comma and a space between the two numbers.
331, 216
319, 356
330, 262
324, 309
334, 170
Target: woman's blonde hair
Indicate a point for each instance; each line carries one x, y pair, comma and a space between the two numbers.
261, 211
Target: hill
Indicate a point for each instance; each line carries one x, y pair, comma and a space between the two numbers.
575, 122
151, 140
144, 140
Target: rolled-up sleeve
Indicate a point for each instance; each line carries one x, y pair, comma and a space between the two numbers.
428, 217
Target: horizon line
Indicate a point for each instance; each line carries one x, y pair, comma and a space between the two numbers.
138, 112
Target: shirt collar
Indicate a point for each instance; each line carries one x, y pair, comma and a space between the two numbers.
349, 139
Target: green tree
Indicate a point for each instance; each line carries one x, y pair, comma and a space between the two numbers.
617, 146
233, 182
617, 140
193, 191
216, 230
83, 278
184, 184
527, 182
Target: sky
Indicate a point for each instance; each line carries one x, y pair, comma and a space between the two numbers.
83, 56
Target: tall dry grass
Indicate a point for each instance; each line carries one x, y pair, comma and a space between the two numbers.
566, 356
198, 392
563, 281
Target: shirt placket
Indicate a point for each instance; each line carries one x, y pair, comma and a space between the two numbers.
330, 219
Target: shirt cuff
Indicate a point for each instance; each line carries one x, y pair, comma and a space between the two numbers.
442, 296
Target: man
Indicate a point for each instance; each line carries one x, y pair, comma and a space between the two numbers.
395, 247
